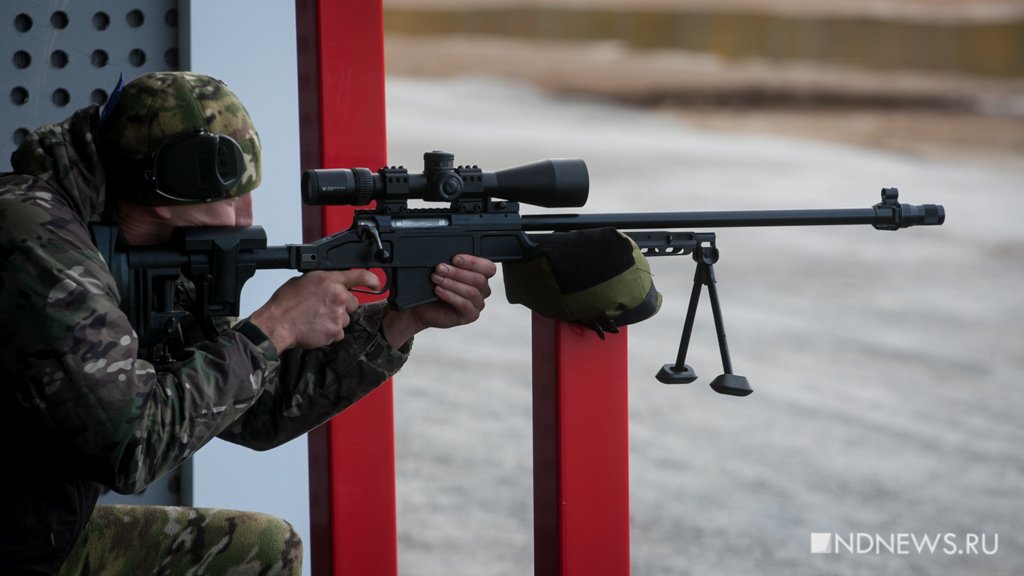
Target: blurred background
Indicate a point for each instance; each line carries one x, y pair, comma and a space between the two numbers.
887, 367
914, 75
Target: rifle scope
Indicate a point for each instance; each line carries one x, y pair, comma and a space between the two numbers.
552, 183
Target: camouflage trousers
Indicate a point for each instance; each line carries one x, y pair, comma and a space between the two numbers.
171, 541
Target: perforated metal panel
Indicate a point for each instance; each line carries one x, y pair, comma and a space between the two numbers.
61, 56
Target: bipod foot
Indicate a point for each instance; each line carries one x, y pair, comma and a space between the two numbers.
731, 385
671, 374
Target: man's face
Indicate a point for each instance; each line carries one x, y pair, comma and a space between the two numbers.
150, 225
235, 211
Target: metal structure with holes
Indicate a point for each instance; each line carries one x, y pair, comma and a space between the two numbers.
59, 59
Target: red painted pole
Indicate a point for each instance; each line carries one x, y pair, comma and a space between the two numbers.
581, 458
342, 124
580, 451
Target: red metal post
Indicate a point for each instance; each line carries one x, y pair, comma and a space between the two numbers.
580, 451
342, 124
581, 454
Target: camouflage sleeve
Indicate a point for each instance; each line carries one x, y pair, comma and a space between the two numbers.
311, 386
72, 355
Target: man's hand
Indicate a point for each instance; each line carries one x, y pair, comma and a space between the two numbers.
461, 288
312, 310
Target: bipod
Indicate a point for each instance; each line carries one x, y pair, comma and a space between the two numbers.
680, 372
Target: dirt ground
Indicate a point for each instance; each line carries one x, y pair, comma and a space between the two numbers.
954, 115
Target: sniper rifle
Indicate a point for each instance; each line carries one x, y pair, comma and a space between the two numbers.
482, 218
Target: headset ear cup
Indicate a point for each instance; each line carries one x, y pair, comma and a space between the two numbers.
198, 167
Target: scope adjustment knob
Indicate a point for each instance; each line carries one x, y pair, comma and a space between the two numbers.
438, 161
448, 187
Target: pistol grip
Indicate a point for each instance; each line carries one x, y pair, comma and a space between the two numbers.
411, 287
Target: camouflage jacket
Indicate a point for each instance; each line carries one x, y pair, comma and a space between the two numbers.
79, 405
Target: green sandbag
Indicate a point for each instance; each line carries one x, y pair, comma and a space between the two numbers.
599, 278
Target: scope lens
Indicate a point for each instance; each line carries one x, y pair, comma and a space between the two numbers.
329, 187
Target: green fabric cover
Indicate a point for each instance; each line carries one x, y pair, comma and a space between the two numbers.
597, 277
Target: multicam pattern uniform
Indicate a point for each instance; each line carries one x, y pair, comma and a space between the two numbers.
79, 407
171, 540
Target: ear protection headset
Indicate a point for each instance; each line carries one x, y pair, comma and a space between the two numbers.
191, 167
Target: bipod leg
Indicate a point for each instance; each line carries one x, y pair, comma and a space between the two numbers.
726, 383
680, 373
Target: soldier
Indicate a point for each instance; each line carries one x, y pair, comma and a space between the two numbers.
85, 407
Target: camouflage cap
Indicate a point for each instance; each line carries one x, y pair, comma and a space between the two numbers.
160, 105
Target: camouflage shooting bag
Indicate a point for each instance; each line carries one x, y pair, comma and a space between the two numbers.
599, 278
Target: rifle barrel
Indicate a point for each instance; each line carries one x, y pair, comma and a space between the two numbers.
888, 217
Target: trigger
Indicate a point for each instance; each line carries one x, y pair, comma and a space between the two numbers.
383, 290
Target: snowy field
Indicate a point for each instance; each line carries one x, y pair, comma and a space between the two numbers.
887, 366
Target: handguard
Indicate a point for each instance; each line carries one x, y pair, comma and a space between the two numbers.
599, 278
